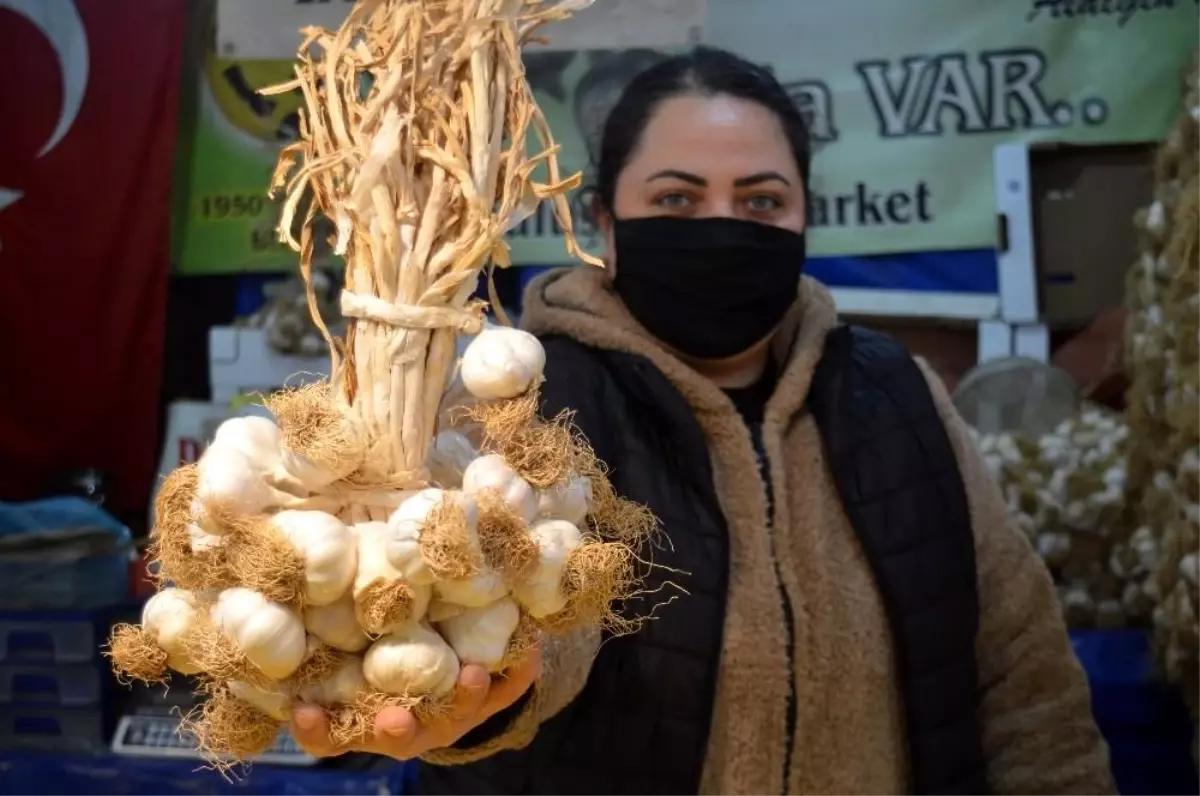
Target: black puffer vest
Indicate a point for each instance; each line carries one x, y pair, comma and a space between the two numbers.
641, 723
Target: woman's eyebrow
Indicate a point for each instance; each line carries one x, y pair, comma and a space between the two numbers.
694, 179
762, 176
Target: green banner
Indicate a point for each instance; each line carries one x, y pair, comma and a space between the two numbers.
906, 101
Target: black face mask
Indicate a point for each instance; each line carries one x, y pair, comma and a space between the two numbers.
707, 287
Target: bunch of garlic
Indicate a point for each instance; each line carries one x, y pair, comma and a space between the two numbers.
281, 586
1066, 492
1163, 351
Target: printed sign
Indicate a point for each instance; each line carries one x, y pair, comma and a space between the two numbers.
905, 101
267, 29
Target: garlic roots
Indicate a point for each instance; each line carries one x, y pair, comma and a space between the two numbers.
340, 688
168, 617
492, 473
383, 598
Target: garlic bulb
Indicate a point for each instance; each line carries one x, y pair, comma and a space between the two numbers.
329, 552
403, 548
502, 363
492, 473
570, 500
1189, 568
336, 625
541, 592
449, 457
376, 579
440, 611
270, 635
257, 438
481, 635
414, 660
274, 703
474, 592
408, 523
339, 688
228, 482
168, 617
200, 540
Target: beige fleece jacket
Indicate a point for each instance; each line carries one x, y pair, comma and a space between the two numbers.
1038, 732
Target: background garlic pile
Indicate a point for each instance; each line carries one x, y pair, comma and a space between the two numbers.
283, 580
1066, 491
286, 320
1163, 407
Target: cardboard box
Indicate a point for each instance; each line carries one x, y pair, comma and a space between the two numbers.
1066, 233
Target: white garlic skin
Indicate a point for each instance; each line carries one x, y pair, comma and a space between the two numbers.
329, 551
339, 688
449, 457
336, 625
168, 617
541, 592
406, 524
256, 437
201, 541
570, 500
492, 473
473, 592
270, 635
502, 363
414, 660
276, 704
374, 563
228, 478
480, 635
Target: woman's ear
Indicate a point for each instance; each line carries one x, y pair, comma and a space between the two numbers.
604, 224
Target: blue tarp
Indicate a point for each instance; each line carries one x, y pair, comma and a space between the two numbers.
970, 271
1145, 723
112, 775
967, 271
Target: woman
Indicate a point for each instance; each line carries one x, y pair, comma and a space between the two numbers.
689, 363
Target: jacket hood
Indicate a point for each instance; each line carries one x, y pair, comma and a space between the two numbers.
579, 303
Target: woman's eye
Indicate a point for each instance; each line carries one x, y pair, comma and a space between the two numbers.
672, 200
762, 203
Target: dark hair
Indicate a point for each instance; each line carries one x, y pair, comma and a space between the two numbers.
707, 71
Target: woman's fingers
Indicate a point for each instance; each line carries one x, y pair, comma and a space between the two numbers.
399, 735
473, 685
515, 681
310, 729
463, 713
396, 734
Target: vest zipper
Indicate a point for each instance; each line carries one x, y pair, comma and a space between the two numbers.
788, 616
789, 636
764, 471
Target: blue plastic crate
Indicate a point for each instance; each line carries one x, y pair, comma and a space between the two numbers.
71, 686
64, 730
1145, 722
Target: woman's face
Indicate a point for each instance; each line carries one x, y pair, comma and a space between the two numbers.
716, 156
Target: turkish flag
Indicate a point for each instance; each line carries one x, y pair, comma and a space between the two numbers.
89, 98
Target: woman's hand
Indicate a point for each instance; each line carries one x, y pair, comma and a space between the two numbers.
397, 732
